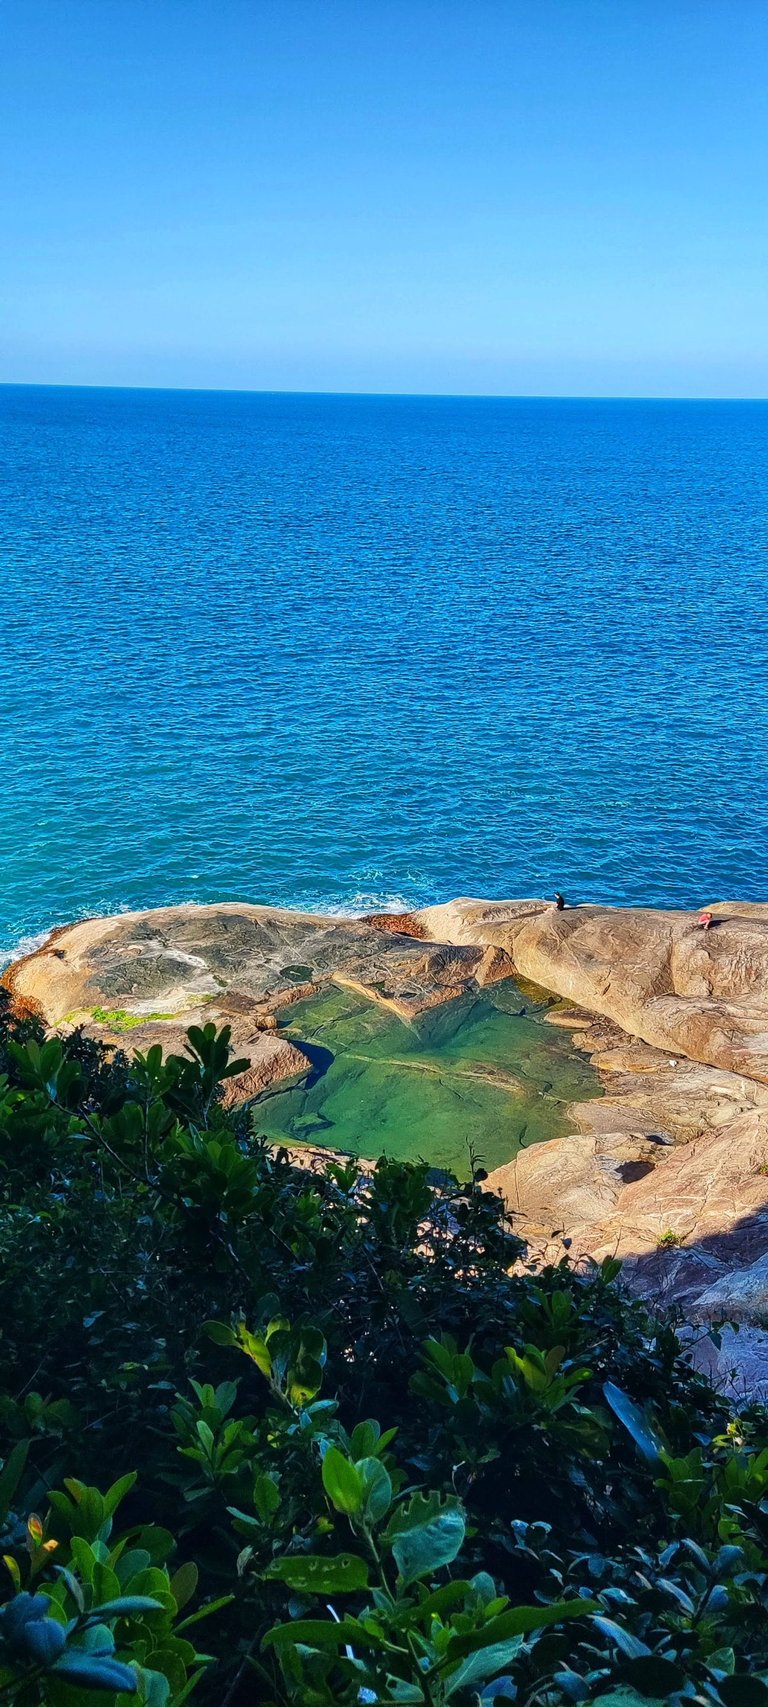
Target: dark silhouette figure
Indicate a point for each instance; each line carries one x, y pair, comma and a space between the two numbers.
559, 902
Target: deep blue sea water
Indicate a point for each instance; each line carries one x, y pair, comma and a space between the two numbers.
353, 651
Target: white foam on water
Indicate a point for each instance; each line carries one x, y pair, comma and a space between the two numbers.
367, 902
356, 907
25, 945
32, 940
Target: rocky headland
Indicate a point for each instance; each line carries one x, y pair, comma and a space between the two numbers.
668, 1169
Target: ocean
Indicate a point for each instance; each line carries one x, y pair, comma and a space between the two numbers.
349, 652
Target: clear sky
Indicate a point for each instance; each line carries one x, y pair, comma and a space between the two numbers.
493, 196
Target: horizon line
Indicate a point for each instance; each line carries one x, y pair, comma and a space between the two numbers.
424, 396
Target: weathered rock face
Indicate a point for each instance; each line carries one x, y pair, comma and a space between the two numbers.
272, 1059
565, 1189
176, 957
699, 993
143, 978
621, 1194
492, 924
668, 1172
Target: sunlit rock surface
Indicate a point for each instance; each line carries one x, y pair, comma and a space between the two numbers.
659, 975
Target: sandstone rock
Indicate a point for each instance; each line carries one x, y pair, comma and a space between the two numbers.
736, 1362
688, 1216
492, 924
702, 994
570, 1186
713, 1190
570, 1019
743, 909
689, 1220
173, 958
402, 924
273, 1060
493, 966
677, 1103
143, 978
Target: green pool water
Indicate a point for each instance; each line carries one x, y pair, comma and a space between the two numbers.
485, 1074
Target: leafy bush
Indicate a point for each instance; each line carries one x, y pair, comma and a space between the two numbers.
550, 1508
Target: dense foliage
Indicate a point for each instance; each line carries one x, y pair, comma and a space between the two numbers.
310, 1436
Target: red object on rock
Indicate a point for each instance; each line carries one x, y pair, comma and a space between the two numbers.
705, 920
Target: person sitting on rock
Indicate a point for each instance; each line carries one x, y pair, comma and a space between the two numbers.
559, 901
705, 919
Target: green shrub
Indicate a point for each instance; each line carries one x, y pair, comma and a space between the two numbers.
553, 1509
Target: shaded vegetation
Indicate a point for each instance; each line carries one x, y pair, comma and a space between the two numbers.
281, 1436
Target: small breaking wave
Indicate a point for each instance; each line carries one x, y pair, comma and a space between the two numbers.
22, 947
367, 901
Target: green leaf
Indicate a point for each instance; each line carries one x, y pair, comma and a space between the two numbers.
304, 1381
323, 1633
204, 1612
312, 1573
183, 1583
95, 1673
73, 1586
677, 1594
127, 1606
723, 1660
44, 1640
97, 1639
363, 1439
254, 1347
156, 1688
635, 1422
425, 1534
313, 1345
436, 1604
205, 1434
266, 1496
483, 1665
220, 1333
518, 1621
626, 1643
118, 1491
342, 1482
377, 1489
85, 1558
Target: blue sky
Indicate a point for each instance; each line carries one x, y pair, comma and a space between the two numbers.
484, 196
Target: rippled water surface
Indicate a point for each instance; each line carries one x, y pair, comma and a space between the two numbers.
339, 651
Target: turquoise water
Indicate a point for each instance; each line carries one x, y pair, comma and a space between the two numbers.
349, 651
482, 1076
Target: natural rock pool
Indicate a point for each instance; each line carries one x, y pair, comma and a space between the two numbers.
485, 1073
